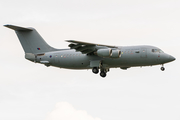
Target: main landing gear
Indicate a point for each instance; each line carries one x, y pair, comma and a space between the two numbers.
103, 72
95, 70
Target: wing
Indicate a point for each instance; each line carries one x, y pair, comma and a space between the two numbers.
86, 48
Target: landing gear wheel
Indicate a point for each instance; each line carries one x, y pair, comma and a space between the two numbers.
95, 70
103, 74
162, 68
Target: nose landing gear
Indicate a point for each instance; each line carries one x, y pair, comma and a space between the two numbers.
162, 68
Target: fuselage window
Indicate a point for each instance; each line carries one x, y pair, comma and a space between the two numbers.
157, 51
161, 51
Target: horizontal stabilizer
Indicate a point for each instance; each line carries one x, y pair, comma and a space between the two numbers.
17, 28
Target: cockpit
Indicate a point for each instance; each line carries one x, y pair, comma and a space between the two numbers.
157, 51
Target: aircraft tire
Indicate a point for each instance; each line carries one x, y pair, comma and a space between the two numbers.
162, 68
103, 74
95, 70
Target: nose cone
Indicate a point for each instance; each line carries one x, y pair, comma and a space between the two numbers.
171, 58
165, 58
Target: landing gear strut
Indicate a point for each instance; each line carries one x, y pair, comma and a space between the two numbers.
95, 70
103, 72
103, 69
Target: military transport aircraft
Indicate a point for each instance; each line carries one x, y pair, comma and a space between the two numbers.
83, 55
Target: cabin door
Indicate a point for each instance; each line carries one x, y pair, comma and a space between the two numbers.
143, 53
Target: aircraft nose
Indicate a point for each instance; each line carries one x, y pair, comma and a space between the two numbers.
171, 58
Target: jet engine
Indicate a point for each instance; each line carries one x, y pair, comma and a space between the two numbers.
30, 56
104, 52
116, 54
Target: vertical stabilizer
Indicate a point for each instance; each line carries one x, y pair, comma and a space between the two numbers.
30, 40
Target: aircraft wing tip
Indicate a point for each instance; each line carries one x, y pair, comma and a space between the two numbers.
6, 25
69, 40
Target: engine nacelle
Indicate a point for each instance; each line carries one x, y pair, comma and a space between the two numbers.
116, 54
30, 56
104, 52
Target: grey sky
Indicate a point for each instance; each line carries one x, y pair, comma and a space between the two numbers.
33, 91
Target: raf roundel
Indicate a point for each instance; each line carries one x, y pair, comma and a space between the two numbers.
50, 56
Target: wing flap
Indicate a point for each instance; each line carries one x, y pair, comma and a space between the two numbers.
87, 51
85, 47
86, 43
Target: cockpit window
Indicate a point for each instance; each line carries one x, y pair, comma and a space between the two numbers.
157, 51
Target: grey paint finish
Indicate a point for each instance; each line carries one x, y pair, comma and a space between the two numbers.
84, 55
76, 60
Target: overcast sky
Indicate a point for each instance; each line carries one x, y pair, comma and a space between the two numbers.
32, 91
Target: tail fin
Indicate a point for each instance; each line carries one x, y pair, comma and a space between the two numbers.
30, 40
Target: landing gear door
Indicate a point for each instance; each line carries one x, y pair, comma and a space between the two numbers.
95, 63
143, 53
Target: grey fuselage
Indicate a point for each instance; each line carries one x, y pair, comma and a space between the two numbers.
131, 56
84, 55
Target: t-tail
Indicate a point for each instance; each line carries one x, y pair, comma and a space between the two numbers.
32, 43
